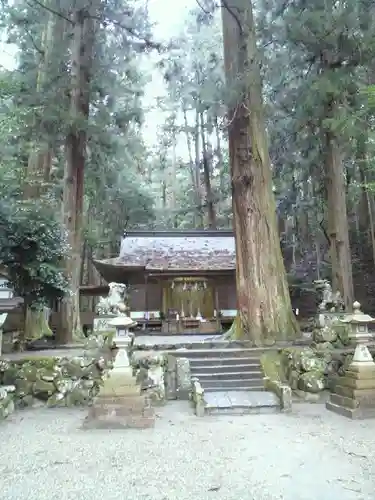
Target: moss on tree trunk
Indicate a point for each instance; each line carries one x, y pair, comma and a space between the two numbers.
36, 324
264, 307
85, 24
338, 228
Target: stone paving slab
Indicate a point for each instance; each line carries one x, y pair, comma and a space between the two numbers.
170, 339
232, 399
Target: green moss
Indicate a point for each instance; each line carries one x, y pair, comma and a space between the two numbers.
38, 361
272, 366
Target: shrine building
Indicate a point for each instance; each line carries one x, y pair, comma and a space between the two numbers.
179, 281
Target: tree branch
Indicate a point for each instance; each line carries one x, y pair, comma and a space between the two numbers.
202, 7
53, 11
324, 231
147, 42
28, 33
231, 12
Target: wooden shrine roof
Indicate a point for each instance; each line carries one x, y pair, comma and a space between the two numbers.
158, 251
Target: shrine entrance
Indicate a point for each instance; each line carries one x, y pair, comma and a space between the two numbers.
189, 306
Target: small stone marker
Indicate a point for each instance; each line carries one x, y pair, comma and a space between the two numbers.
183, 378
120, 404
354, 393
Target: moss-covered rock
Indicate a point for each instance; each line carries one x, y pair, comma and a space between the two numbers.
149, 369
312, 381
310, 361
57, 381
325, 334
6, 401
324, 347
306, 368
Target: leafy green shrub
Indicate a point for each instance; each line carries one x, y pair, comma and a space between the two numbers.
32, 248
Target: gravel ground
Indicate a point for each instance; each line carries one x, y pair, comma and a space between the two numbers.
311, 454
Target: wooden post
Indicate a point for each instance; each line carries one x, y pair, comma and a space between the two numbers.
218, 322
145, 324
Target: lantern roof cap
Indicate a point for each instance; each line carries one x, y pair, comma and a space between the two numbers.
124, 321
357, 317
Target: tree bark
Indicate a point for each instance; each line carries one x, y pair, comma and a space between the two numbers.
198, 201
36, 324
197, 156
211, 213
173, 182
361, 157
338, 231
219, 155
84, 28
264, 307
40, 159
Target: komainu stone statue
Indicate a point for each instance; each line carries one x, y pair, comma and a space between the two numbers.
332, 302
329, 312
115, 302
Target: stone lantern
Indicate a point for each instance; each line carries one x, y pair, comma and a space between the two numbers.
122, 341
354, 393
120, 404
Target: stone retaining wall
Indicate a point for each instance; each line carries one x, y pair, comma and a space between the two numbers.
54, 380
162, 376
310, 371
149, 369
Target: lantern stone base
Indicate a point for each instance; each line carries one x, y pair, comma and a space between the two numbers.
354, 394
120, 405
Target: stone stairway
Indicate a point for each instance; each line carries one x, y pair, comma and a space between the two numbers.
232, 380
229, 369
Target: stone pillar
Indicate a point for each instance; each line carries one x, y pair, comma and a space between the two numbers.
183, 377
170, 377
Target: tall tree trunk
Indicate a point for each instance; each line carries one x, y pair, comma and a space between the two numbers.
219, 155
211, 213
173, 182
264, 306
361, 157
196, 187
197, 154
338, 231
84, 28
93, 278
40, 159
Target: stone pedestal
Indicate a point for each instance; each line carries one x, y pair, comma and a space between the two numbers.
120, 404
354, 394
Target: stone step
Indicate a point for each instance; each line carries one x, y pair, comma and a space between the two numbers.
224, 362
222, 384
218, 353
241, 402
225, 368
238, 387
229, 375
224, 345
